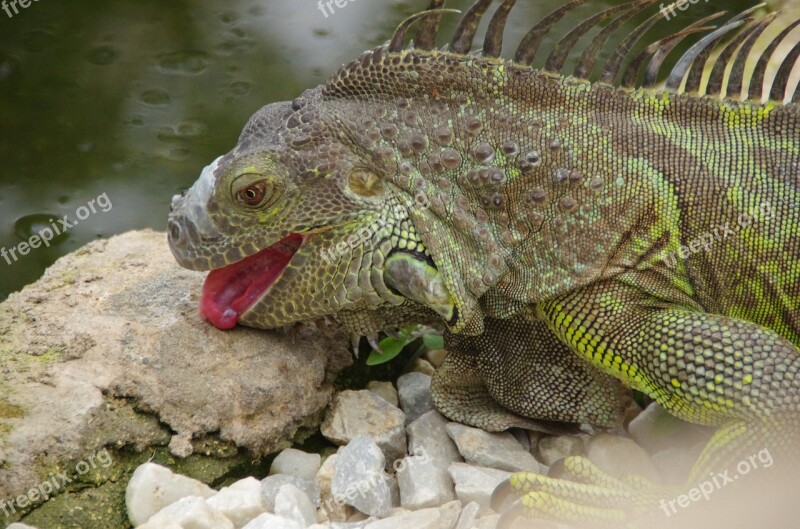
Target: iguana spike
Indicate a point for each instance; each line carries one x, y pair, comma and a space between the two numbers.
396, 44
658, 51
615, 62
755, 90
698, 52
464, 34
425, 39
493, 42
778, 91
561, 50
526, 52
735, 81
714, 86
698, 65
592, 51
699, 62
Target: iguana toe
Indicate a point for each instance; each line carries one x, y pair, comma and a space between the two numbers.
581, 495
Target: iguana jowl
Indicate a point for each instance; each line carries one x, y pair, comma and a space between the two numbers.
561, 229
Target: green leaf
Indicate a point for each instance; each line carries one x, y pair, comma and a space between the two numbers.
433, 341
390, 347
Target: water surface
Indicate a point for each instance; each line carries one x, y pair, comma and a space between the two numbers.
129, 100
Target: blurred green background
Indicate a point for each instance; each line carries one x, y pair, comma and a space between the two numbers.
133, 98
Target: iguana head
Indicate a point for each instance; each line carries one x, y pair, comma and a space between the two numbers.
298, 222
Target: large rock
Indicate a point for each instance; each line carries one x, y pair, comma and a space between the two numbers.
108, 350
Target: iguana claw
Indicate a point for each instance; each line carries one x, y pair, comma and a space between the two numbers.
373, 342
355, 341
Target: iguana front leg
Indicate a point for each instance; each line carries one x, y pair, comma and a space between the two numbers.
704, 368
517, 370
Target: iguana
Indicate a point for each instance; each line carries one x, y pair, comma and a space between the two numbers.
569, 234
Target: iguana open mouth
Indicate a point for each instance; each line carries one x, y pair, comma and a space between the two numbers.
231, 290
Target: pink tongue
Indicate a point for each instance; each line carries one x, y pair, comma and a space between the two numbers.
230, 291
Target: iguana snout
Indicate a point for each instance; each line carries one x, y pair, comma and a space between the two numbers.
189, 225
235, 283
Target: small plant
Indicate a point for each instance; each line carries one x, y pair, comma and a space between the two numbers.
391, 346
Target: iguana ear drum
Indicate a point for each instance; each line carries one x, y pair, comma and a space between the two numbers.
418, 281
365, 183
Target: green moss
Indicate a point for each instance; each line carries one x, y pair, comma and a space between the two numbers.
10, 411
52, 355
96, 499
97, 507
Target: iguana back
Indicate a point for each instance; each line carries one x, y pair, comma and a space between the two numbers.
575, 182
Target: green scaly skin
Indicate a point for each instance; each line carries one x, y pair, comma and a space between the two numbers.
555, 226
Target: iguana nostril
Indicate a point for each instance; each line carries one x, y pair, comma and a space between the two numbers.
176, 234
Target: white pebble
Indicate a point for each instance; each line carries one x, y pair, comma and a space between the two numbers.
153, 487
359, 478
476, 483
240, 502
296, 463
293, 504
189, 513
272, 521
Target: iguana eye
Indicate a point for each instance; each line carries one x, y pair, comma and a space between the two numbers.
253, 195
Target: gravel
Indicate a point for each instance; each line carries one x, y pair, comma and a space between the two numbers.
430, 474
